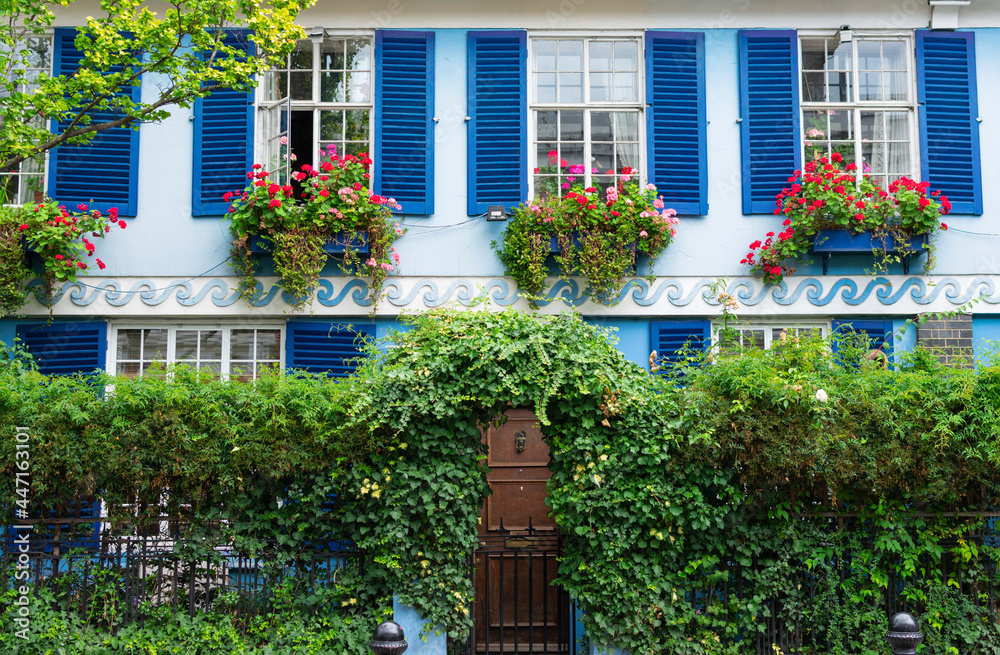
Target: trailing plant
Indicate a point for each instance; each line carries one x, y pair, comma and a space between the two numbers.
335, 206
824, 196
598, 233
58, 237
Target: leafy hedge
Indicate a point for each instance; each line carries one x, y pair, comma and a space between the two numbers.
701, 511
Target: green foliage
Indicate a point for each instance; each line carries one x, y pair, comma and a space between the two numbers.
785, 486
123, 41
284, 630
824, 196
599, 233
336, 206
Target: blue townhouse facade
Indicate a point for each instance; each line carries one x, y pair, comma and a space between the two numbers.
459, 104
715, 102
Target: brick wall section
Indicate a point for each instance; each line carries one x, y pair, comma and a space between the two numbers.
950, 339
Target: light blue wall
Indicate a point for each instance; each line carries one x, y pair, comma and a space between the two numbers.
985, 337
165, 240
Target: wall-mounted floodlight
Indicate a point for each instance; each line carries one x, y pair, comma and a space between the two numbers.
845, 34
496, 213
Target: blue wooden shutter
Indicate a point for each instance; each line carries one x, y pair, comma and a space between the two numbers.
769, 110
223, 141
675, 119
669, 338
103, 172
66, 348
404, 109
331, 348
498, 125
949, 131
878, 331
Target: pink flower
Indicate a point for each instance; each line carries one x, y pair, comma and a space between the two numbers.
284, 140
650, 187
643, 233
371, 262
395, 256
658, 203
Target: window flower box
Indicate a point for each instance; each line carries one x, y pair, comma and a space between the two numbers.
336, 245
830, 242
596, 234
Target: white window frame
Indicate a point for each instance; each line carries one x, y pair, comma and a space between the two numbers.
587, 105
263, 105
825, 325
857, 106
173, 327
48, 35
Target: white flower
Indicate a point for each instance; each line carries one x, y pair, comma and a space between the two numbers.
821, 396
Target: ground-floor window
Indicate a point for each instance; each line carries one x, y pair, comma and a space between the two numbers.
242, 353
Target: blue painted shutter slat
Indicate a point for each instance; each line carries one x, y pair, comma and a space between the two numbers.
103, 172
949, 131
330, 348
66, 348
668, 338
675, 133
404, 108
498, 125
769, 108
223, 141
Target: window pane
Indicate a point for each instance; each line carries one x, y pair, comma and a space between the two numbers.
895, 86
331, 54
603, 155
814, 54
627, 125
813, 86
893, 56
753, 338
129, 344
359, 54
897, 125
242, 371
545, 55
331, 125
626, 87
302, 58
869, 86
331, 87
268, 344
571, 87
358, 87
601, 55
626, 56
357, 127
128, 369
841, 124
546, 125
301, 86
154, 344
572, 154
628, 156
241, 345
570, 55
571, 126
601, 128
839, 86
839, 57
869, 56
545, 87
600, 87
187, 344
211, 344
898, 159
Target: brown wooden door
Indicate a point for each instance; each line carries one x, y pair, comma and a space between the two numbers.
517, 608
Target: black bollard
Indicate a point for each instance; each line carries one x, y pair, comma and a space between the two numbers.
904, 634
388, 639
